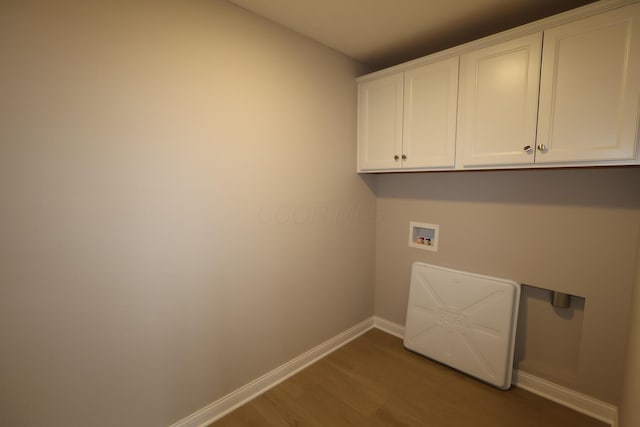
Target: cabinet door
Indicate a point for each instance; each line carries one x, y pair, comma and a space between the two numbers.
380, 123
590, 88
430, 108
499, 102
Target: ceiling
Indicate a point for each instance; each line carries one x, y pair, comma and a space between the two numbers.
381, 33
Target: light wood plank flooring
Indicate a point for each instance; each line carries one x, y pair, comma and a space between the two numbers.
374, 381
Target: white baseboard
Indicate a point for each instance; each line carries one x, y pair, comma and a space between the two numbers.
388, 327
228, 403
587, 405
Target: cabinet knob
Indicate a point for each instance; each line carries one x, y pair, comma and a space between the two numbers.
396, 157
404, 157
542, 147
528, 149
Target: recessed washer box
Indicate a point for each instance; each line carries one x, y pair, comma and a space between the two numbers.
423, 236
464, 320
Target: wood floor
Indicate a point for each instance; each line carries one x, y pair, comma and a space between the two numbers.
374, 381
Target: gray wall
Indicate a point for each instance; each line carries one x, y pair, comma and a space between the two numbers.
179, 208
571, 230
629, 409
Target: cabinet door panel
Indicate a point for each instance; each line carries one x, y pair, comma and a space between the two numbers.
430, 108
499, 102
590, 88
380, 123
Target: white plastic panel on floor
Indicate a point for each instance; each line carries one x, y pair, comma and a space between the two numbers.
463, 320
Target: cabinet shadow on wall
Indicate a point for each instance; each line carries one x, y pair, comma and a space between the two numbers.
617, 187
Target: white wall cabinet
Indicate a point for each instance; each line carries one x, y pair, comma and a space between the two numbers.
407, 121
590, 89
499, 102
564, 91
380, 123
588, 100
430, 108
